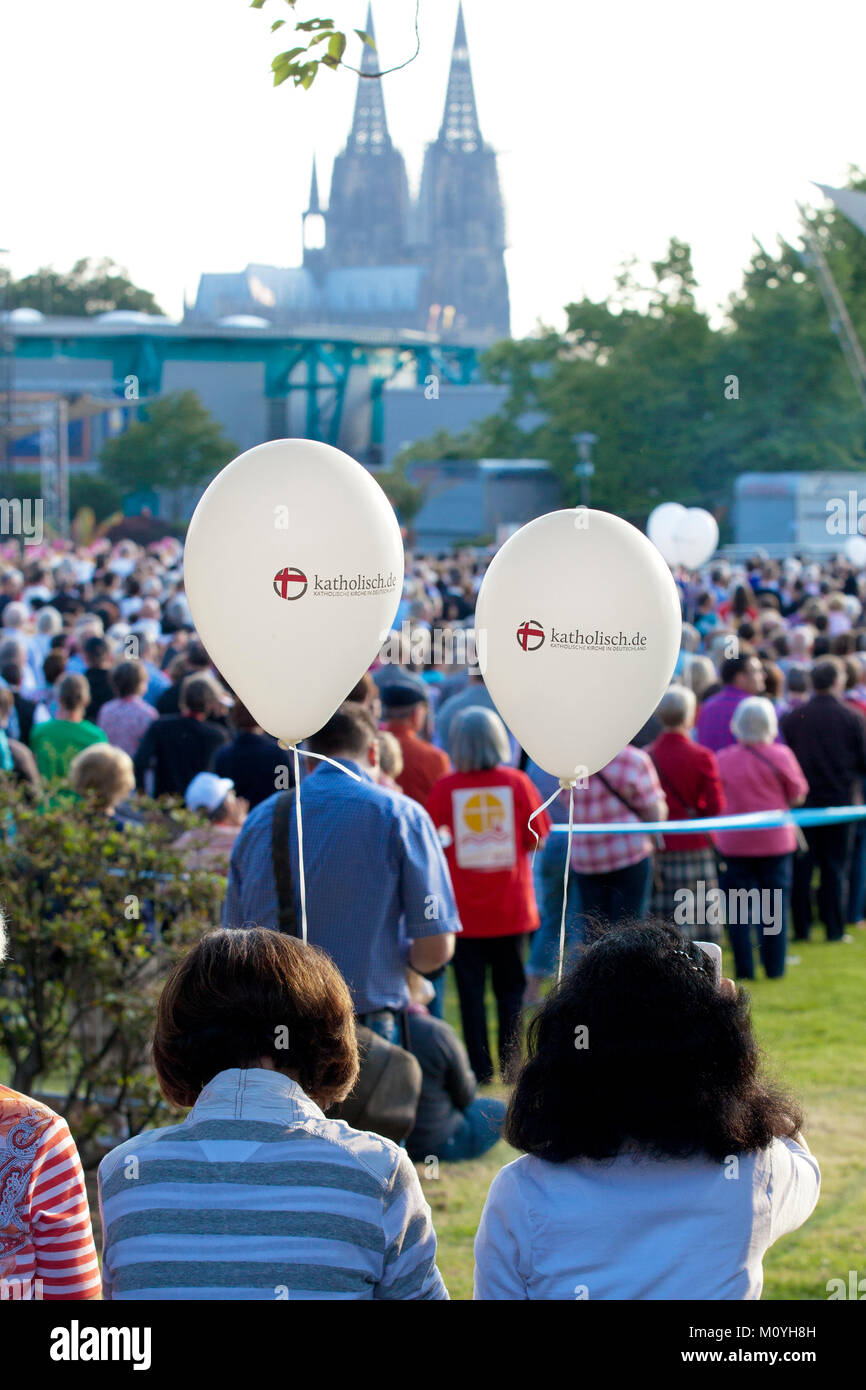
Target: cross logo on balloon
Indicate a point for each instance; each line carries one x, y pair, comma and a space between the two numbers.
290, 578
530, 635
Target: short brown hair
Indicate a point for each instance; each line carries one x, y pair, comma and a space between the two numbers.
227, 1003
198, 695
54, 666
74, 692
350, 730
129, 677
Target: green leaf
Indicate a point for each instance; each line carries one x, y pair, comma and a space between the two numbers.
337, 47
312, 26
283, 59
365, 38
257, 4
277, 24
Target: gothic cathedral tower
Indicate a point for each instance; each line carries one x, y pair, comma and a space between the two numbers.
367, 212
461, 216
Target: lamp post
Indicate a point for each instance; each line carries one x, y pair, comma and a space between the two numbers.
584, 468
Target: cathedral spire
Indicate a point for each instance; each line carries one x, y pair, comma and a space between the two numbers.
314, 190
460, 128
369, 133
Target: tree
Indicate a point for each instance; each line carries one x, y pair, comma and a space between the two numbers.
90, 287
681, 407
175, 444
96, 917
635, 369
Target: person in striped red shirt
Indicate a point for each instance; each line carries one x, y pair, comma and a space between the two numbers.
46, 1241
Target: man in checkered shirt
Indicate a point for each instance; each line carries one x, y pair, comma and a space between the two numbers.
614, 872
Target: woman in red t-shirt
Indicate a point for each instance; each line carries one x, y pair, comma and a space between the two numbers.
481, 813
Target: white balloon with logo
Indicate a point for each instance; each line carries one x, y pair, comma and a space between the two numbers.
293, 569
578, 629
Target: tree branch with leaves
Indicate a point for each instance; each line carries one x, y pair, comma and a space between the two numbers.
325, 47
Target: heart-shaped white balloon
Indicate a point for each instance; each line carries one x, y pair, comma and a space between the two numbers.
661, 528
696, 536
578, 629
294, 571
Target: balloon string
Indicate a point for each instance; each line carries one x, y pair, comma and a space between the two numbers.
541, 808
298, 822
565, 882
322, 758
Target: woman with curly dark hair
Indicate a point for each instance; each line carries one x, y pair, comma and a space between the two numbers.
257, 1195
657, 1163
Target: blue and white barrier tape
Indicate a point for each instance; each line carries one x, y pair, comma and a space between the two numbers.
754, 820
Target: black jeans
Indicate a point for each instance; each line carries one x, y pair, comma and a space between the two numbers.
504, 955
767, 916
618, 895
829, 849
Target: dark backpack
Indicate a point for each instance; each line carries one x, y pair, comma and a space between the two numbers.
385, 1098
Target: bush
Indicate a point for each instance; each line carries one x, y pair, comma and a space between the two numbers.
143, 529
92, 933
101, 496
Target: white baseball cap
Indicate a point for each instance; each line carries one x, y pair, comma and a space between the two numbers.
207, 792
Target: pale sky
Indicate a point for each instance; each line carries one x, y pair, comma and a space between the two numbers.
152, 133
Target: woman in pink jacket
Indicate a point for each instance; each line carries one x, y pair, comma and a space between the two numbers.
758, 775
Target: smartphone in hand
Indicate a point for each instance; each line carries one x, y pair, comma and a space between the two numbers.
714, 951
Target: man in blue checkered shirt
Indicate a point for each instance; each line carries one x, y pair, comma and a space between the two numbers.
378, 890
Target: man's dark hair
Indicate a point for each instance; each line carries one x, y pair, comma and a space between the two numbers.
95, 650
843, 644
349, 732
53, 666
196, 657
240, 717
363, 691
825, 673
821, 645
12, 673
798, 680
198, 695
129, 677
74, 692
671, 1065
232, 1001
733, 666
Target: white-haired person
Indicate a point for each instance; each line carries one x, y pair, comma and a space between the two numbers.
210, 847
46, 1241
701, 677
758, 774
689, 776
481, 814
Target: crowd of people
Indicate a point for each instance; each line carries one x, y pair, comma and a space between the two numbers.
423, 860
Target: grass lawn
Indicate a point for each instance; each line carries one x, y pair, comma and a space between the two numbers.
812, 1028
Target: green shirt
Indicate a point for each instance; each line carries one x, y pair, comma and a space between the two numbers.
56, 743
